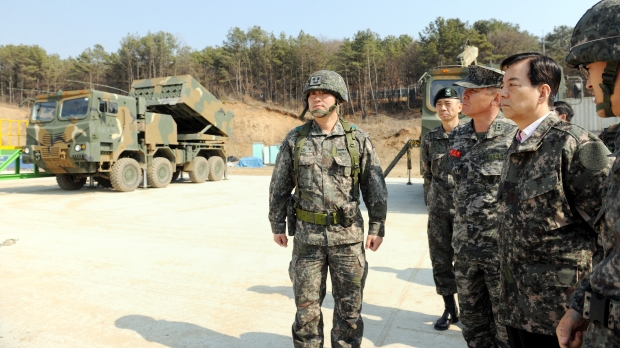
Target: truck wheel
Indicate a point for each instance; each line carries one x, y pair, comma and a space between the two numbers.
201, 170
216, 168
70, 182
103, 182
160, 173
125, 175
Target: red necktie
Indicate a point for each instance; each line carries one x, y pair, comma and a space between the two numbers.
519, 136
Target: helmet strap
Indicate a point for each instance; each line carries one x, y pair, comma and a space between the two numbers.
609, 77
321, 113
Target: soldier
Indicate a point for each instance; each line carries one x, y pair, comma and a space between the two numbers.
552, 181
563, 110
477, 152
594, 49
608, 136
327, 161
438, 190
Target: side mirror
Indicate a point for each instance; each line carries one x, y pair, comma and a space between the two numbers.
141, 107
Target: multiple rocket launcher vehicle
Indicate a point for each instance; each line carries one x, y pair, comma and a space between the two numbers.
165, 126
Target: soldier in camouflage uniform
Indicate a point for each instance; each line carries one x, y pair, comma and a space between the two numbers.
327, 161
477, 152
608, 136
552, 181
438, 190
595, 49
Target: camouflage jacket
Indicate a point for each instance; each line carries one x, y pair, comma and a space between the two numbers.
438, 181
549, 193
325, 183
605, 276
477, 167
608, 136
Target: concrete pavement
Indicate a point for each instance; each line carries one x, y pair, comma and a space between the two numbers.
192, 265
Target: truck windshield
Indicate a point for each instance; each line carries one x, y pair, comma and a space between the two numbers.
438, 85
74, 108
43, 111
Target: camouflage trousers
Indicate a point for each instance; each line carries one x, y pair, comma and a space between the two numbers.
439, 230
308, 271
477, 282
598, 336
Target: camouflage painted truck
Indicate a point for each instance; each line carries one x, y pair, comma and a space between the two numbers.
165, 126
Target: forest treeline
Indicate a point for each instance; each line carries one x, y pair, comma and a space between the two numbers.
273, 68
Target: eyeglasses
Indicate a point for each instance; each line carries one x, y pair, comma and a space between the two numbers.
584, 70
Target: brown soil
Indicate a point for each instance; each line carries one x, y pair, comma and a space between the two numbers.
258, 122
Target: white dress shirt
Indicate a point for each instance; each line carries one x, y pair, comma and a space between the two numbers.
529, 130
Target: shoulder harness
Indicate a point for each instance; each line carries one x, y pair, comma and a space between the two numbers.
349, 129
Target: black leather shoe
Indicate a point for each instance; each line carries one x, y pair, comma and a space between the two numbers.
449, 317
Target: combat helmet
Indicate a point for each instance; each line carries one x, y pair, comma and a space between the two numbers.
596, 38
325, 80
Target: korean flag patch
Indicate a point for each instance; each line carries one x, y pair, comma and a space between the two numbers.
315, 80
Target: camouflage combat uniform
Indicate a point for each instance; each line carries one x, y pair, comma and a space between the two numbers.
438, 190
595, 39
550, 190
608, 136
477, 167
325, 183
605, 276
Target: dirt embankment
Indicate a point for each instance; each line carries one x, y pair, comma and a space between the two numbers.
254, 122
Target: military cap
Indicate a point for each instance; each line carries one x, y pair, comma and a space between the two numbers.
446, 93
482, 77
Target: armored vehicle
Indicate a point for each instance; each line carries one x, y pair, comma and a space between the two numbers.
165, 126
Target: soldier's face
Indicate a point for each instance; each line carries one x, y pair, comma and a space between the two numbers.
478, 101
595, 78
448, 109
320, 100
519, 98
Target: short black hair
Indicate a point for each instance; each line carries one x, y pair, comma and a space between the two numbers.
564, 108
543, 70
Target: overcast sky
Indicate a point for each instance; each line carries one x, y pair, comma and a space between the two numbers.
69, 27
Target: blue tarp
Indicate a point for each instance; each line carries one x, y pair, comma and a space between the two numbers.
250, 162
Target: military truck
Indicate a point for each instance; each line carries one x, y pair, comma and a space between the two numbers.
165, 126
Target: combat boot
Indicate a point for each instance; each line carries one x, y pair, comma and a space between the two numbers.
450, 314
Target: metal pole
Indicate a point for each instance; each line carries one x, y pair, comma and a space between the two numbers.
409, 162
144, 176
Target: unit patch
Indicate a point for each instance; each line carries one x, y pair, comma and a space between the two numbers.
593, 155
315, 80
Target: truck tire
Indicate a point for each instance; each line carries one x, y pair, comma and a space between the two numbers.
160, 173
216, 168
103, 182
125, 175
69, 182
201, 170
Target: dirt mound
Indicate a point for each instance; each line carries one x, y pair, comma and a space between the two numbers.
269, 125
13, 112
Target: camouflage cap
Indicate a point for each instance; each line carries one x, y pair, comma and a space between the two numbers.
596, 37
446, 93
327, 80
482, 77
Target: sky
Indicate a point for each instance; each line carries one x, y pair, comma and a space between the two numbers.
67, 27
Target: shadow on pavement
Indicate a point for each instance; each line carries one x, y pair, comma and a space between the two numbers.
175, 334
397, 319
424, 276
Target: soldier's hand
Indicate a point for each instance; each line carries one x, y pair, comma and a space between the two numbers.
373, 242
571, 329
280, 239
